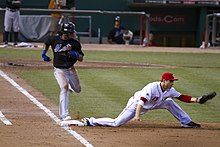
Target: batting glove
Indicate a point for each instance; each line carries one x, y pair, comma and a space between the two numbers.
44, 56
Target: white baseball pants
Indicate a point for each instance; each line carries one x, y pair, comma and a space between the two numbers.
67, 79
129, 112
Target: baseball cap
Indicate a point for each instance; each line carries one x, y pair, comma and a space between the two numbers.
117, 18
168, 76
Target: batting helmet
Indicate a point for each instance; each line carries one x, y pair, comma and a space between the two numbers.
68, 28
72, 26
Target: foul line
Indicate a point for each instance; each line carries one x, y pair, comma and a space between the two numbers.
45, 109
4, 119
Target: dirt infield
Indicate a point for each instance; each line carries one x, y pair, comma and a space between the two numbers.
32, 127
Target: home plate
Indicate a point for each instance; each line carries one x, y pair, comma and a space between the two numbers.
69, 123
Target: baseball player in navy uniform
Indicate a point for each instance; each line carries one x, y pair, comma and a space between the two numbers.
155, 95
11, 21
116, 34
67, 51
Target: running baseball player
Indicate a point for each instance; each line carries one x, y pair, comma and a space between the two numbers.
11, 20
67, 51
155, 95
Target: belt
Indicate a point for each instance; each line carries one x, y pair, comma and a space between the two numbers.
12, 10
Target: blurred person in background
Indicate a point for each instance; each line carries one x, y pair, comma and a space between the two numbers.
11, 20
127, 36
115, 35
54, 4
151, 41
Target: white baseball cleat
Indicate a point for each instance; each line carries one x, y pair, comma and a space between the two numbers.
85, 121
70, 123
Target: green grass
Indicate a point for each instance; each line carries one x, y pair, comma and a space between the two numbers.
105, 91
193, 60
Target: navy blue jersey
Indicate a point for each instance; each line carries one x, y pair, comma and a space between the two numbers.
61, 49
116, 34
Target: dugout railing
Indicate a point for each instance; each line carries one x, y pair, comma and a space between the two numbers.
211, 34
144, 18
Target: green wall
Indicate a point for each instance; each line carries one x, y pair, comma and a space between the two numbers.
30, 3
187, 34
106, 22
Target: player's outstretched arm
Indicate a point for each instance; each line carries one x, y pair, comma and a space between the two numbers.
202, 99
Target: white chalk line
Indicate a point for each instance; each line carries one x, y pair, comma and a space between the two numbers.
4, 119
45, 109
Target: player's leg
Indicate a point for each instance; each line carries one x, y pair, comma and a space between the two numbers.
73, 80
175, 110
127, 114
178, 113
16, 26
63, 84
124, 117
7, 25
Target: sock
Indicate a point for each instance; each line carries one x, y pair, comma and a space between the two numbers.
15, 37
5, 37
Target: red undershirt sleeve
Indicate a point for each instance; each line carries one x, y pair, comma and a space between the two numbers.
143, 99
185, 98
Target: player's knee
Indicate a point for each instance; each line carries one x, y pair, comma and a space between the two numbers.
116, 125
16, 29
78, 90
168, 102
7, 29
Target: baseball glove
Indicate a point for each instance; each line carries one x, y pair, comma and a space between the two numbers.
202, 99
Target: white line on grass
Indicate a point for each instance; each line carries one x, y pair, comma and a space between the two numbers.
45, 109
4, 119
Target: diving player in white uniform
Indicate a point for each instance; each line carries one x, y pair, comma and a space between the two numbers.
155, 95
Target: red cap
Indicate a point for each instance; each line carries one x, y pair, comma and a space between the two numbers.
168, 76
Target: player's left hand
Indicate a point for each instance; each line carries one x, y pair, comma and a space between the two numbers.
74, 55
80, 58
204, 98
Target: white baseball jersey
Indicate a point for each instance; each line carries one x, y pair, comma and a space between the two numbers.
154, 95
156, 99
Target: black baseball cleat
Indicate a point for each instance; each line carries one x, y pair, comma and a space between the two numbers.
15, 43
191, 125
86, 122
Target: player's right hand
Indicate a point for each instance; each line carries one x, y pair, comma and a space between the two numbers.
46, 58
136, 119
